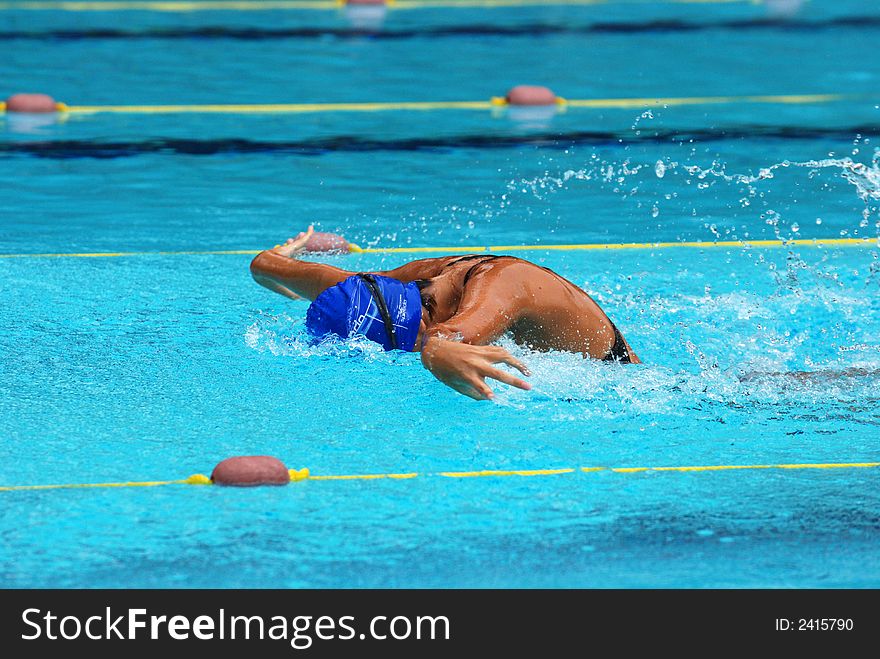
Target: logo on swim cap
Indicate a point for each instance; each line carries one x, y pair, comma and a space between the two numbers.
351, 307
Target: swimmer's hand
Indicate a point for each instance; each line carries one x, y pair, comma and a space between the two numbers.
294, 245
464, 367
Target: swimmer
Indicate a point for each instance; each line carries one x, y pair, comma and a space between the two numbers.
450, 309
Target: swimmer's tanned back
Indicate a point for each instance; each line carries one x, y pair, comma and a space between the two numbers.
450, 309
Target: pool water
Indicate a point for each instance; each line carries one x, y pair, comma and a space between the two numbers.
155, 366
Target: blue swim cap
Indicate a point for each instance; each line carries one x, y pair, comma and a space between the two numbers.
383, 309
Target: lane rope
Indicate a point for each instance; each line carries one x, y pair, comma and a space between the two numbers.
355, 249
496, 102
297, 475
181, 6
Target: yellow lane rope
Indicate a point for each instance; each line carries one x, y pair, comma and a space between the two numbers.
428, 106
279, 108
192, 480
805, 242
355, 477
84, 255
817, 242
827, 465
603, 103
181, 6
304, 474
487, 472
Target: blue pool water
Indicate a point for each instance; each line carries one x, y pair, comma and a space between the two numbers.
157, 366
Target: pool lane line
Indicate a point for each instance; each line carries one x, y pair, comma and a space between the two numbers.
279, 108
351, 477
304, 474
827, 465
800, 242
520, 472
195, 479
181, 6
496, 102
805, 242
102, 255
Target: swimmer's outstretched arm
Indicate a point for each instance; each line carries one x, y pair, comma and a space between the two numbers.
280, 271
456, 351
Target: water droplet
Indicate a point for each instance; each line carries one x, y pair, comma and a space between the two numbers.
660, 169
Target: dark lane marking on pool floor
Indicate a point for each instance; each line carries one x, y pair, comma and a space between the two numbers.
65, 149
437, 32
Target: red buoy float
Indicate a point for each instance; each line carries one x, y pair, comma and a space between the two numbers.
530, 95
326, 242
251, 470
31, 103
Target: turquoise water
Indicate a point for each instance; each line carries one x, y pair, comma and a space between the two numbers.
159, 366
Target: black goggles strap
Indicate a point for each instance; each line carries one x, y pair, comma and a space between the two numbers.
379, 299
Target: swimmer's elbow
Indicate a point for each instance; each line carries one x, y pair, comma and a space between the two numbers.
259, 265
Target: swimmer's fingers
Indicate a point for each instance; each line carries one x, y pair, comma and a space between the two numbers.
477, 388
507, 378
293, 246
499, 355
298, 243
474, 388
483, 391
